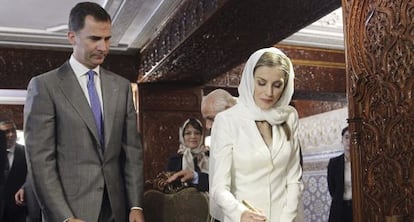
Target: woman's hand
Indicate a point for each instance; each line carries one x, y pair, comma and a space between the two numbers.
250, 216
183, 175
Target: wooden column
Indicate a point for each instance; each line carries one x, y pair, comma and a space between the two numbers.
380, 75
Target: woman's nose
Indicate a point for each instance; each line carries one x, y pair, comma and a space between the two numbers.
269, 91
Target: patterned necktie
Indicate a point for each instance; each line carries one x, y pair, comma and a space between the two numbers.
95, 105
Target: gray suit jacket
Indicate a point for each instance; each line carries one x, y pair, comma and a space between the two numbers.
68, 167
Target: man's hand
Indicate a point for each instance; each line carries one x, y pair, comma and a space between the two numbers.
136, 215
184, 175
19, 197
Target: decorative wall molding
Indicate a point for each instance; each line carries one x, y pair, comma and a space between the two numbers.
12, 96
322, 132
327, 32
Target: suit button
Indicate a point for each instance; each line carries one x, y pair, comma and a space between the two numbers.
100, 188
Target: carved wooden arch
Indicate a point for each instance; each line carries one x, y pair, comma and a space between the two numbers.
380, 43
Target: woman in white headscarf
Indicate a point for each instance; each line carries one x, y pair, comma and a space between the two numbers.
255, 154
191, 162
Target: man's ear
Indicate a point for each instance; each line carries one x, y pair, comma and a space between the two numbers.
72, 37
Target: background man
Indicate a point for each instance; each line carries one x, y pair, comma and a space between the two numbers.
339, 183
84, 151
216, 101
211, 104
14, 173
26, 196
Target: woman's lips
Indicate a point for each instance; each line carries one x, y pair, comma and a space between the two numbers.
267, 100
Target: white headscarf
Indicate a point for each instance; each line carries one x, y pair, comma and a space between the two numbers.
280, 111
189, 154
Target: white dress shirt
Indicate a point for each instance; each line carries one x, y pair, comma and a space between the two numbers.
347, 180
10, 155
82, 76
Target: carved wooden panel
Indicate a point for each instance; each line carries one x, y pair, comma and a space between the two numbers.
186, 19
380, 43
317, 70
229, 79
163, 108
319, 79
222, 42
311, 107
15, 112
169, 97
18, 65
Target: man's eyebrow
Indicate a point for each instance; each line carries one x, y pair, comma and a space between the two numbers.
95, 37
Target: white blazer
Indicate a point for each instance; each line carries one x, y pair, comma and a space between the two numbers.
244, 168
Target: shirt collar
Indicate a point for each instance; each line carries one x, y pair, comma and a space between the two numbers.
347, 160
79, 69
11, 150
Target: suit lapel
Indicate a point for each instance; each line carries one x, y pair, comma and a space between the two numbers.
73, 92
259, 141
17, 161
18, 169
109, 96
342, 171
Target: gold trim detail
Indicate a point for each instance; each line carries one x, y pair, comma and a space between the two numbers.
334, 65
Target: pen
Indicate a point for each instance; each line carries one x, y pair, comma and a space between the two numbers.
250, 207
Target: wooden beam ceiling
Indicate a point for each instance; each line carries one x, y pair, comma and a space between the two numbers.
206, 38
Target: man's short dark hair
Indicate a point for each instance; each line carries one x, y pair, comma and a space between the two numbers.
6, 117
344, 130
81, 10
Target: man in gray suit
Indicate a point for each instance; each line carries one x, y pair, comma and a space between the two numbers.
83, 148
